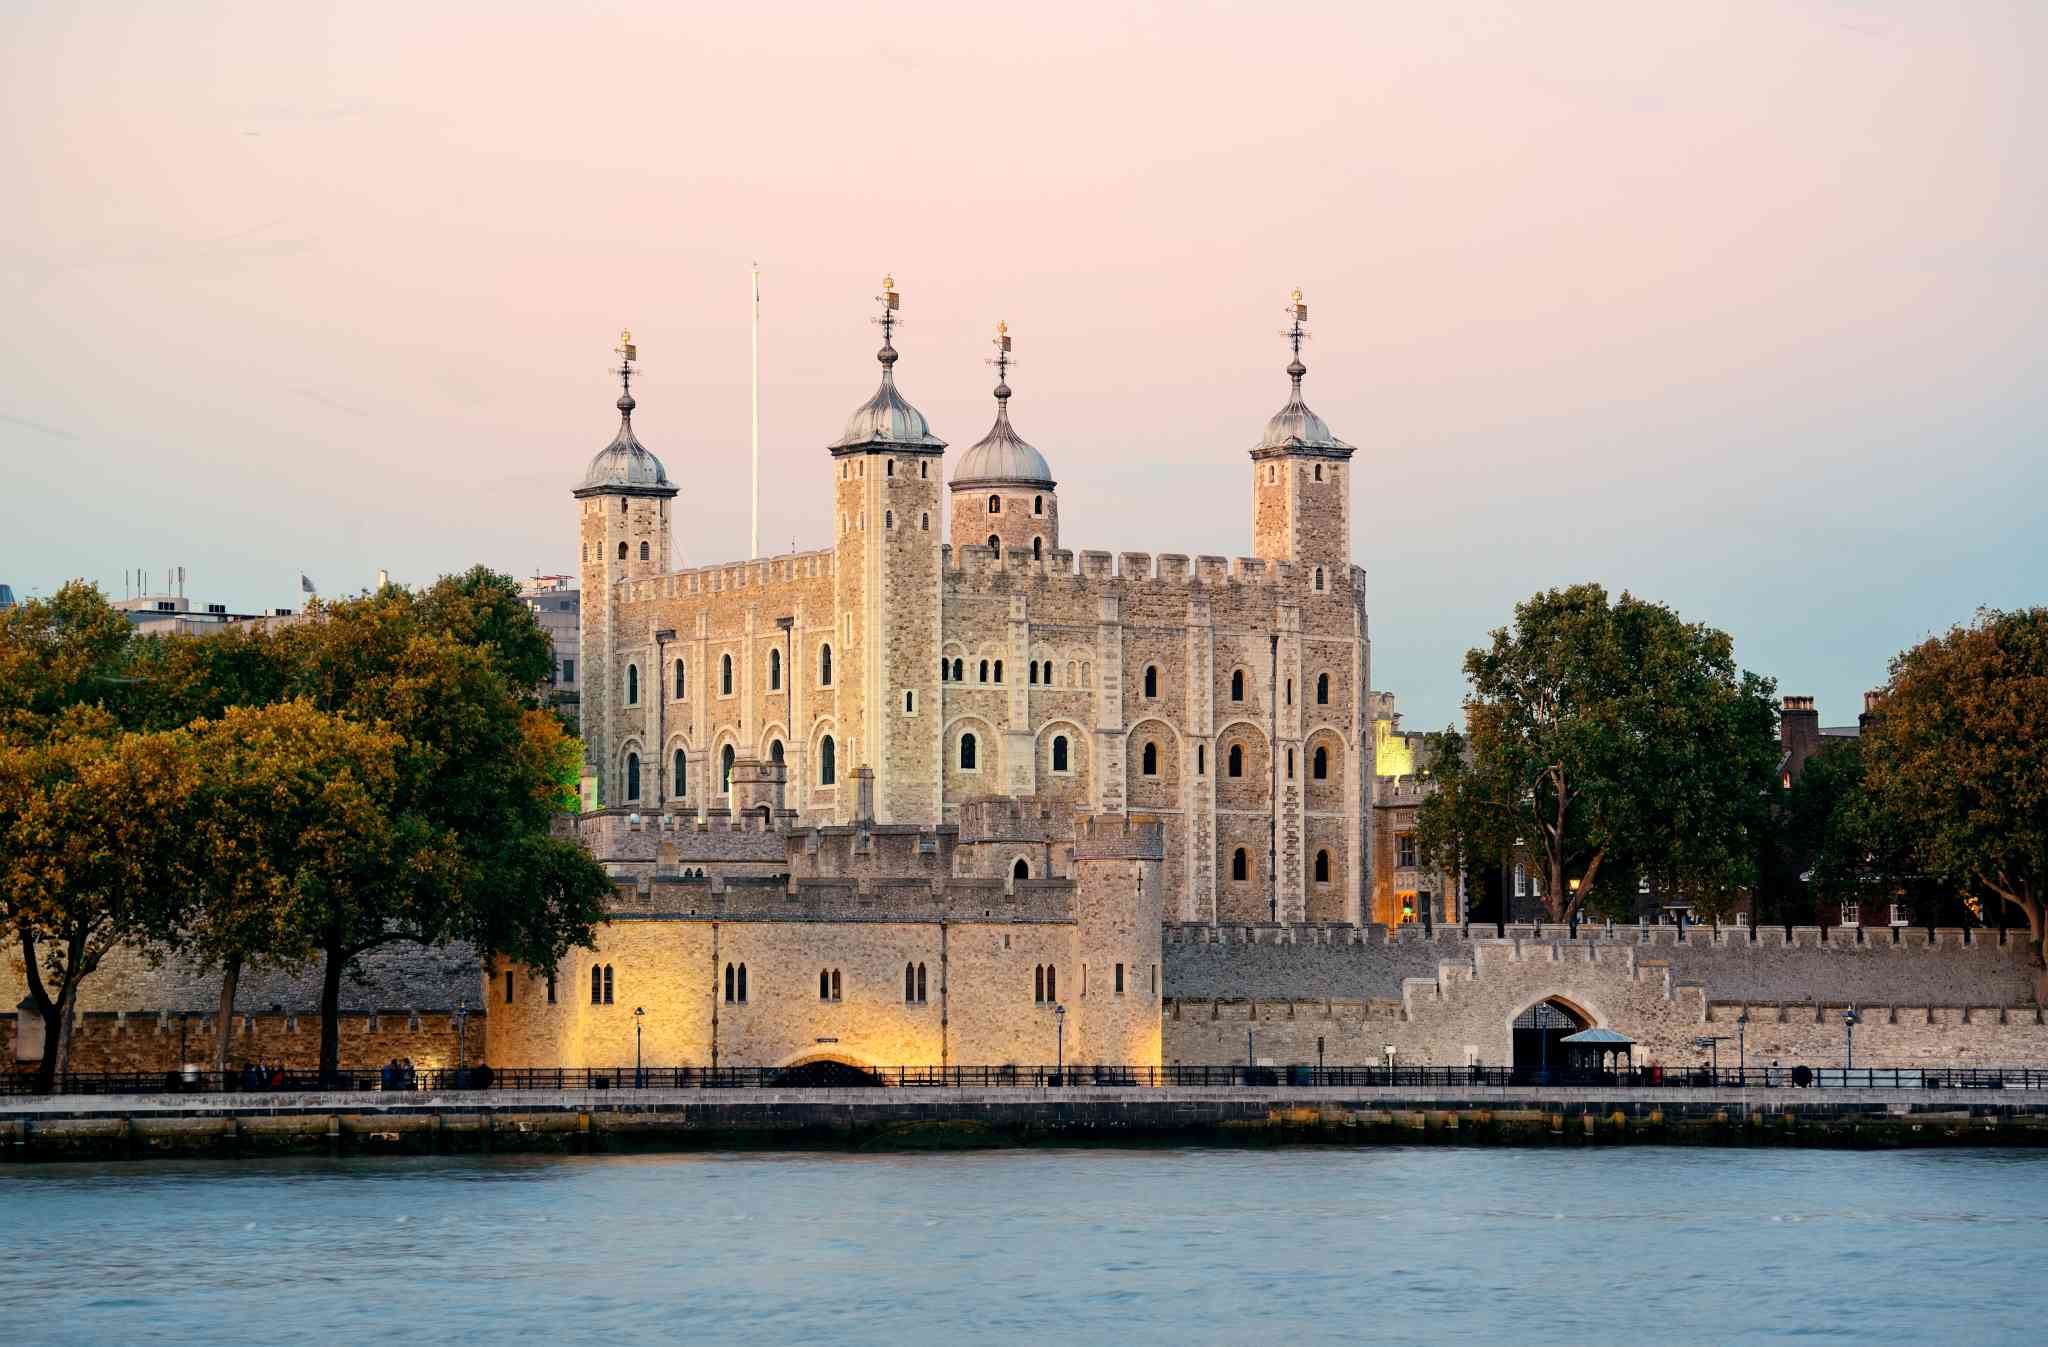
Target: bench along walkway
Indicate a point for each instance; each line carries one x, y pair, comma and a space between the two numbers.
282, 1122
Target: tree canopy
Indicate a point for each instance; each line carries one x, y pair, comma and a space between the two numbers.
1606, 739
1958, 753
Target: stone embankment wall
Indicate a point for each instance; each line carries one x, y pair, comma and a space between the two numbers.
154, 1042
408, 976
1919, 1002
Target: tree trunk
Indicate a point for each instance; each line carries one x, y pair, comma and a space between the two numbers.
46, 1069
223, 1026
330, 1012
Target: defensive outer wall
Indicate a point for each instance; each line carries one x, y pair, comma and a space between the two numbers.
233, 1126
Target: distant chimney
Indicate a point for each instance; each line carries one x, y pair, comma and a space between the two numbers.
1799, 732
383, 577
1873, 702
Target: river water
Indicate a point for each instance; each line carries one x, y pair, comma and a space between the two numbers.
1047, 1247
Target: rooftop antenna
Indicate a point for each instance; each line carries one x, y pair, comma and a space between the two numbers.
754, 537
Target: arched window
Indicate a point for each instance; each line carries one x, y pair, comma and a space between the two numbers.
643, 551
1034, 673
924, 521
632, 685
596, 985
775, 751
1052, 983
888, 519
725, 675
835, 984
1059, 752
607, 984
1320, 764
1240, 865
828, 766
920, 984
1038, 549
1322, 689
632, 776
1151, 680
1150, 760
743, 982
622, 546
1290, 764
824, 985
1319, 579
680, 682
995, 504
1038, 505
909, 702
679, 784
729, 984
1021, 870
967, 753
1237, 760
774, 670
1201, 759
910, 982
984, 671
1322, 867
890, 471
995, 544
945, 669
959, 667
825, 666
1038, 983
999, 671
1237, 686
725, 757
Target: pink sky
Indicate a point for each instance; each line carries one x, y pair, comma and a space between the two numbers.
1739, 307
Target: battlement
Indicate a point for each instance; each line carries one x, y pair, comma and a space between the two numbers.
947, 898
762, 573
1172, 569
1406, 788
1119, 837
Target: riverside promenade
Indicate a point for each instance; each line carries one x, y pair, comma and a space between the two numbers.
270, 1123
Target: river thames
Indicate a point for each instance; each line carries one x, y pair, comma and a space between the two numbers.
1044, 1246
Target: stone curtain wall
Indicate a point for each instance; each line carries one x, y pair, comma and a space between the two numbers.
147, 1041
1461, 1010
402, 975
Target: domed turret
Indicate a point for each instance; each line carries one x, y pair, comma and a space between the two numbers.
1003, 488
625, 465
1301, 507
1295, 426
886, 420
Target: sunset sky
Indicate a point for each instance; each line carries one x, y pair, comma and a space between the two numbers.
1739, 307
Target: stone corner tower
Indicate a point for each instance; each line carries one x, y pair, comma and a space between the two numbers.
623, 518
1301, 502
887, 469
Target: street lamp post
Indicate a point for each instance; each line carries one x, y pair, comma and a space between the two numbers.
639, 1014
1059, 1013
1741, 1043
1319, 1059
461, 1044
1848, 1039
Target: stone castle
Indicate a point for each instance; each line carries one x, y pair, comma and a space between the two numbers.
946, 793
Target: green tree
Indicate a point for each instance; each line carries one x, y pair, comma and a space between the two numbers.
95, 851
1607, 737
470, 854
1958, 755
68, 650
291, 798
482, 608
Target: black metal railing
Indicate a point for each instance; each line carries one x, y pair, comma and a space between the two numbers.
834, 1075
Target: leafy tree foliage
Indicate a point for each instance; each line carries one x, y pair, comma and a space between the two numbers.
1958, 754
95, 852
1607, 737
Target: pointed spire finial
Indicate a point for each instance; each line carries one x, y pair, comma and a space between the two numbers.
627, 353
1296, 335
890, 302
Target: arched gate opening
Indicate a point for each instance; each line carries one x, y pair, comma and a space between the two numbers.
1539, 1034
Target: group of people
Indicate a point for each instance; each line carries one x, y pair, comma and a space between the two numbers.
398, 1074
257, 1076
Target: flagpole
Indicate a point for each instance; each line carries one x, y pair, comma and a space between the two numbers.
755, 535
